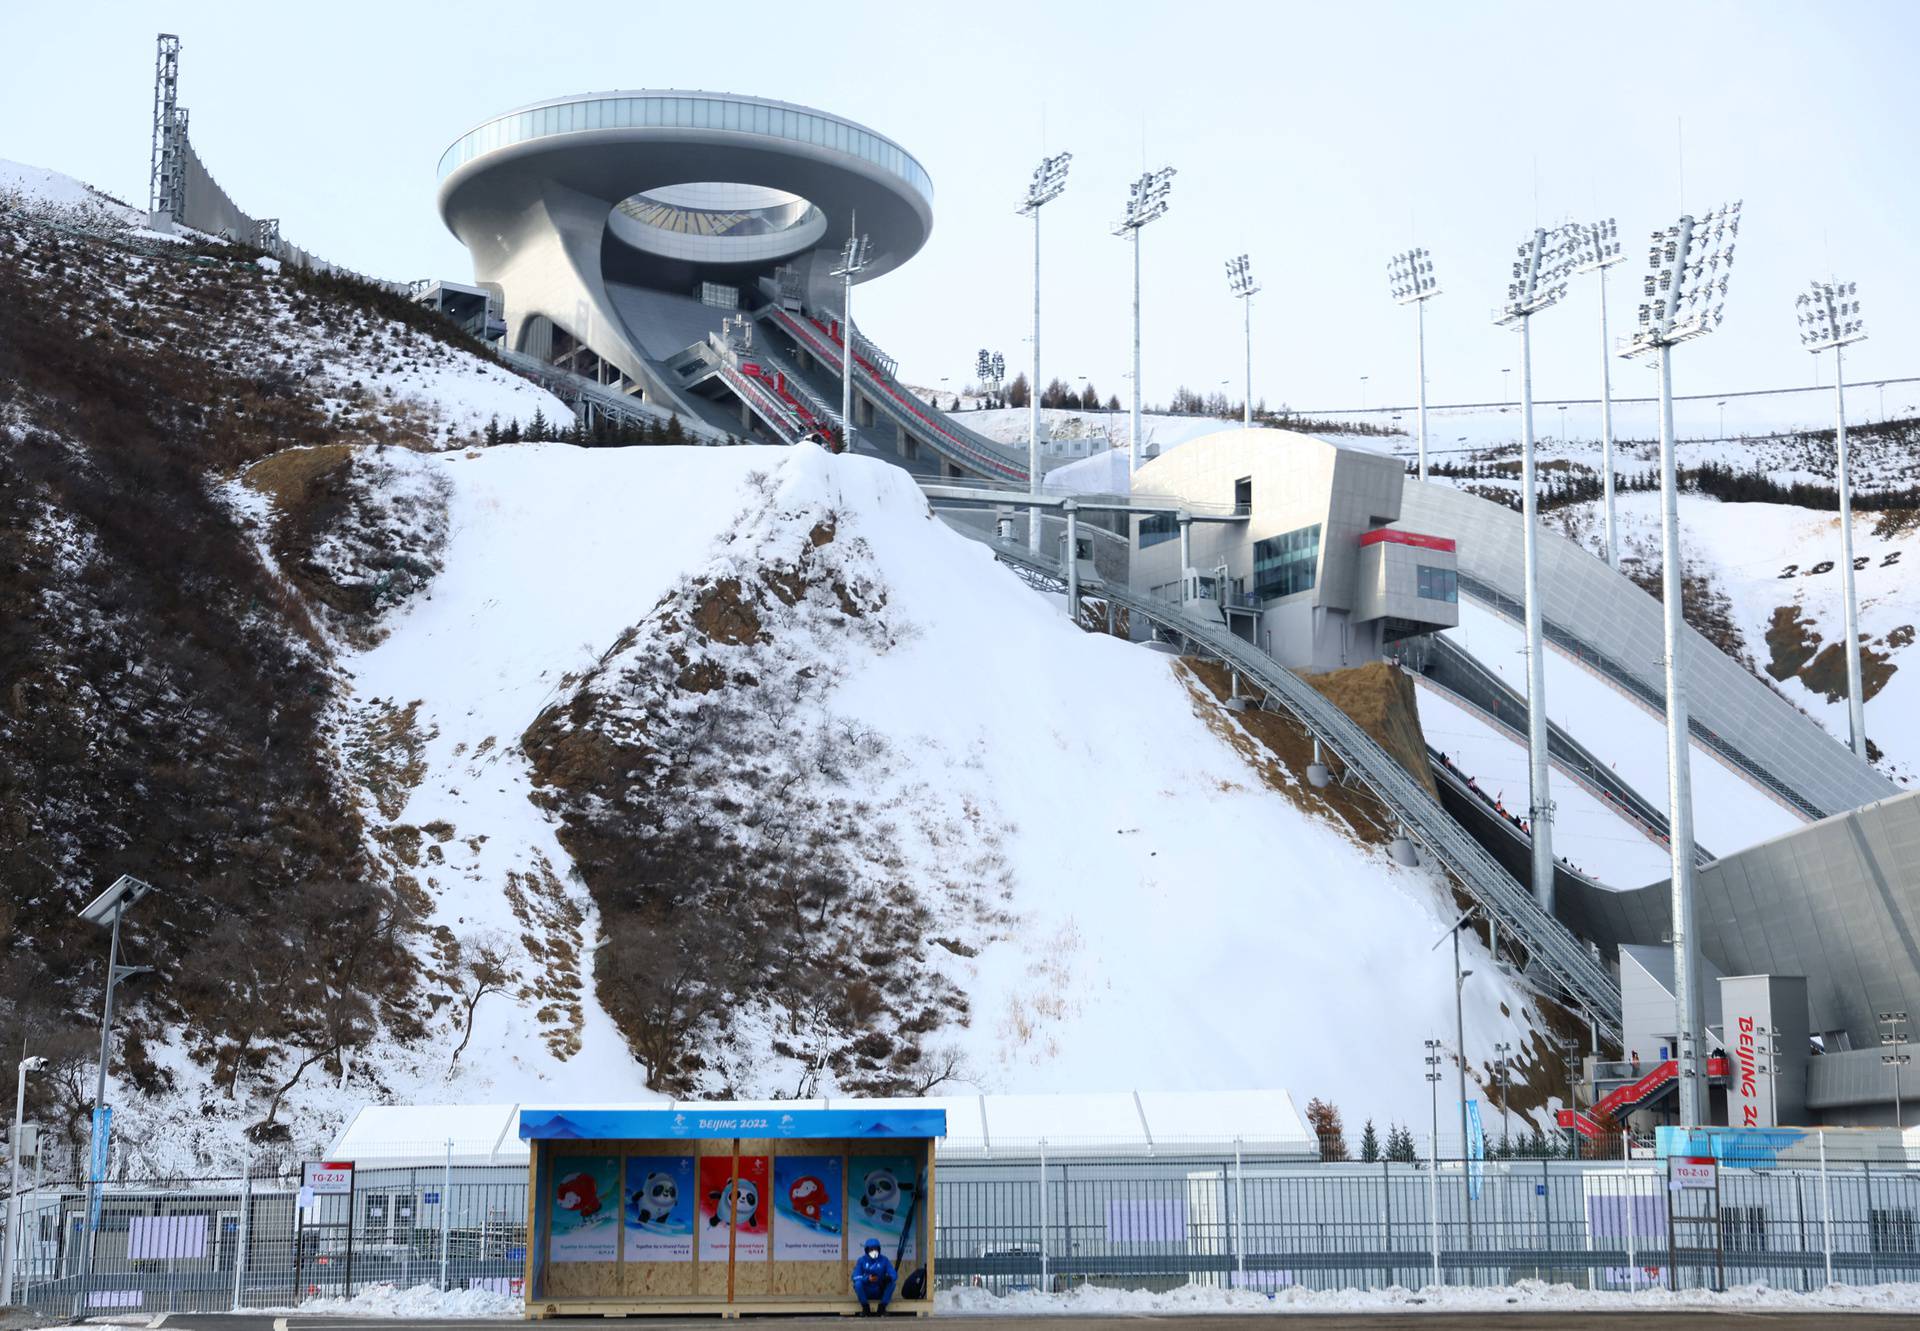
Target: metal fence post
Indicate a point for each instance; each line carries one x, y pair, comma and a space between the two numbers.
1045, 1283
1633, 1215
1239, 1213
1826, 1206
446, 1207
246, 1229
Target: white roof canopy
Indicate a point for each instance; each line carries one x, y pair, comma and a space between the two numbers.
1110, 1121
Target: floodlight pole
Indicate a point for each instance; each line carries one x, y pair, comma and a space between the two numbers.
1606, 429
1686, 961
1246, 408
1540, 824
853, 260
1856, 699
1033, 397
1420, 374
1133, 431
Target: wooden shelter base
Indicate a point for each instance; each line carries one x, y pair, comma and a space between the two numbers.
553, 1308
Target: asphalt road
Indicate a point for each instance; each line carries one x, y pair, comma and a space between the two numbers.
1529, 1320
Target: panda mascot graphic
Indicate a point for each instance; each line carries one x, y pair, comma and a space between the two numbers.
744, 1209
880, 1200
655, 1199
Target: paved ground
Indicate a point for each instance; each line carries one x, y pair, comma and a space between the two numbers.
1532, 1320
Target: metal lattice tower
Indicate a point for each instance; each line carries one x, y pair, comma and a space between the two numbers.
166, 171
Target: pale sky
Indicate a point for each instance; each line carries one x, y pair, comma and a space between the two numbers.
1317, 137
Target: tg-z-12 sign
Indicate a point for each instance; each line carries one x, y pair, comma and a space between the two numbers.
331, 1178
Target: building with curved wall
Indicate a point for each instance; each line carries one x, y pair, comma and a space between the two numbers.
627, 232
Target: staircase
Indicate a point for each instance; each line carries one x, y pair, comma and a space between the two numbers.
1616, 1104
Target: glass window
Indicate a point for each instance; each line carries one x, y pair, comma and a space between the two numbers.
760, 119
1439, 584
1158, 527
1286, 564
730, 117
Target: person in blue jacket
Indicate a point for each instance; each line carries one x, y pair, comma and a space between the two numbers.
873, 1278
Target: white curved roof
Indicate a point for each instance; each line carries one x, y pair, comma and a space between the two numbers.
1106, 1122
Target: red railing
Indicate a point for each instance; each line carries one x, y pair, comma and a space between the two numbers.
821, 336
1631, 1096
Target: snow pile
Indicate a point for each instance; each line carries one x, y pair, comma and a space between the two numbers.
63, 199
1131, 829
415, 1302
1525, 1295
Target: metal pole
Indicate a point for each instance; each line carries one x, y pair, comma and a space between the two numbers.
1856, 700
13, 1191
1239, 1213
1420, 374
1460, 1046
1133, 438
846, 351
1044, 1282
1686, 967
446, 1209
1033, 399
1541, 826
1633, 1206
1606, 428
1073, 562
246, 1231
1433, 1183
100, 1098
1246, 412
1826, 1207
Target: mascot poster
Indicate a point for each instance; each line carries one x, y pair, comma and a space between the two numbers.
879, 1191
659, 1208
742, 1201
806, 1208
583, 1221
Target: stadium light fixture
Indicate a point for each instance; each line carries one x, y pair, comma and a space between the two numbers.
1411, 281
1542, 263
1683, 296
1146, 203
1241, 282
1893, 1033
1829, 314
1049, 178
1599, 250
853, 261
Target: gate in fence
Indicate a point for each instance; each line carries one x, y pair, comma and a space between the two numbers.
1038, 1219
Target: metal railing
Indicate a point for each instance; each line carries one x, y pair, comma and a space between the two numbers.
1565, 961
1589, 655
1225, 1214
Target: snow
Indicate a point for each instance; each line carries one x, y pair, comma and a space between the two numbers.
416, 1302
1524, 1295
1588, 832
1129, 843
1730, 812
62, 193
1765, 556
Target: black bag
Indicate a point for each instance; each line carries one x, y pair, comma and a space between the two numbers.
915, 1285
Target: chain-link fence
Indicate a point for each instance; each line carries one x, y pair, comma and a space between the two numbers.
1032, 1220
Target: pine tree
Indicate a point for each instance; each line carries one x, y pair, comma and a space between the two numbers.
511, 435
493, 431
537, 430
1369, 1143
1113, 402
1019, 392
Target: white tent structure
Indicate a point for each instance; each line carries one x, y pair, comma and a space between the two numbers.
1107, 1123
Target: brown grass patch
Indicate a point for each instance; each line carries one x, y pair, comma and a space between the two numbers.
1380, 698
286, 476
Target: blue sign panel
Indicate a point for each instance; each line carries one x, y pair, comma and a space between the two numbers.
692, 1123
102, 1128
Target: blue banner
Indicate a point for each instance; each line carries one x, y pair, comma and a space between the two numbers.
693, 1123
102, 1129
1476, 1151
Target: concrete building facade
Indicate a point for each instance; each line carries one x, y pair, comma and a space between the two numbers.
1320, 574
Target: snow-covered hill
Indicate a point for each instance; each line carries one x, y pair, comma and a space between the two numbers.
1150, 912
